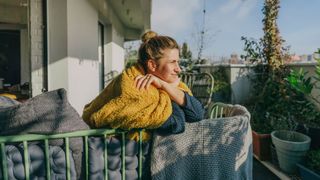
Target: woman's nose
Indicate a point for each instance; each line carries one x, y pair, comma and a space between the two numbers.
178, 69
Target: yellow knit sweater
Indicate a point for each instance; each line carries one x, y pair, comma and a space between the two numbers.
122, 105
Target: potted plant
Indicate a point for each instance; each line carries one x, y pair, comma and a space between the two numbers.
291, 148
267, 81
310, 124
275, 104
311, 169
221, 90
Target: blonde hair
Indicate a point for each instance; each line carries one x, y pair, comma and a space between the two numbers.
153, 45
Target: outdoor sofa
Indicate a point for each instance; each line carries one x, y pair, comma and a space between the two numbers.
45, 138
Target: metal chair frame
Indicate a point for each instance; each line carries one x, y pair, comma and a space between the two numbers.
201, 85
219, 110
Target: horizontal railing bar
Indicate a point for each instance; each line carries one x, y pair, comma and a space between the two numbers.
35, 137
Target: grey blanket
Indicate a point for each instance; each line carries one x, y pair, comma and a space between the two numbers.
209, 149
47, 113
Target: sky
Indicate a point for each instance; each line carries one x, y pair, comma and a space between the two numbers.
227, 20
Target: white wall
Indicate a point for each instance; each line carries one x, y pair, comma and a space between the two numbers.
240, 83
83, 63
114, 51
82, 21
117, 57
25, 61
83, 76
57, 45
73, 50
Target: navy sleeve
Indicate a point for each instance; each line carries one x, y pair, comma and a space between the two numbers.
193, 109
175, 123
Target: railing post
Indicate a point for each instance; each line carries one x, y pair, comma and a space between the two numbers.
26, 160
4, 162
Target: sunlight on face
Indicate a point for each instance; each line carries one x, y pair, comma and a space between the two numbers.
168, 67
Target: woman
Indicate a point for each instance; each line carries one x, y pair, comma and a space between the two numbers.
149, 94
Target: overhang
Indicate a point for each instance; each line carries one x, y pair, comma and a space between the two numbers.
130, 17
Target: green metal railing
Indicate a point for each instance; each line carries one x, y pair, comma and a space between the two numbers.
219, 110
24, 139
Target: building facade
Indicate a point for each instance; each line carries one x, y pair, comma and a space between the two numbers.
69, 44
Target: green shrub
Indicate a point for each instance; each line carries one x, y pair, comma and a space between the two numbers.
313, 160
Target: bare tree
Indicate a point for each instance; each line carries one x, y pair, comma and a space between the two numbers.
203, 36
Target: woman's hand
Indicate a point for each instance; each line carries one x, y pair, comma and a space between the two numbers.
143, 82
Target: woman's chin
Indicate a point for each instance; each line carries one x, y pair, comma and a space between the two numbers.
172, 80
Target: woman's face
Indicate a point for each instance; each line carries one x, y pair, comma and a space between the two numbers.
168, 67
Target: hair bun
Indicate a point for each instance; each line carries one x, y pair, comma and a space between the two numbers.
148, 35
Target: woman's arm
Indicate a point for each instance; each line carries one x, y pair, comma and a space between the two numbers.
193, 109
175, 123
176, 95
192, 112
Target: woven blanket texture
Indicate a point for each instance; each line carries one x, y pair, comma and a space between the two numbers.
209, 149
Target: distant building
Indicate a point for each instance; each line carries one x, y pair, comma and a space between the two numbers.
307, 58
316, 56
304, 58
293, 59
234, 58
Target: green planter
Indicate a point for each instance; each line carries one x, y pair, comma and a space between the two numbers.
307, 174
291, 148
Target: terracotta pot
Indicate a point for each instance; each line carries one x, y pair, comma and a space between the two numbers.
261, 145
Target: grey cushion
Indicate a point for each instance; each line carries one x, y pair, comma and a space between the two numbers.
96, 158
14, 155
47, 113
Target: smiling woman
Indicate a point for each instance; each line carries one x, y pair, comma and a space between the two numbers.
147, 95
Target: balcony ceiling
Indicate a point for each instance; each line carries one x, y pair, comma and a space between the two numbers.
13, 12
130, 17
134, 16
132, 13
13, 3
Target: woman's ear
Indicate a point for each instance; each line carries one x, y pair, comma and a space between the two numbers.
152, 65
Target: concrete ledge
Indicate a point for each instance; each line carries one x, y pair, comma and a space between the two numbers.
273, 169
